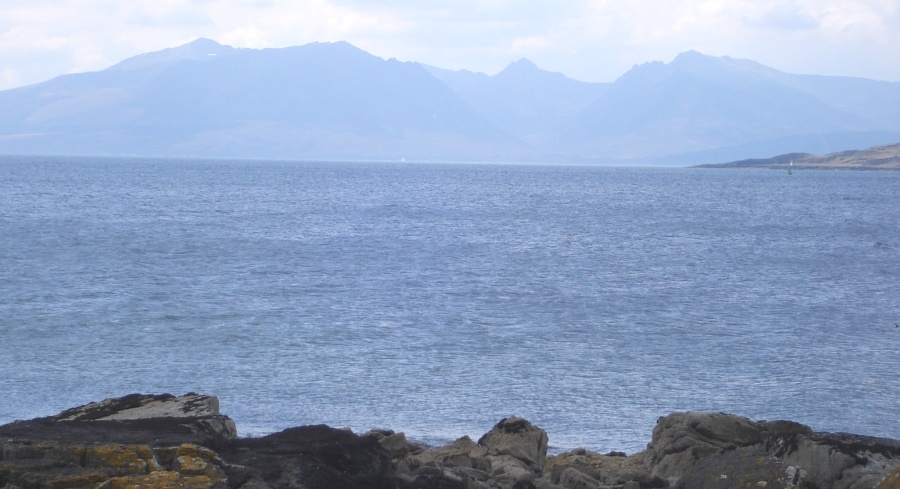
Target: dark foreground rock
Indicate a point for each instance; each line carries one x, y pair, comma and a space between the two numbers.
163, 441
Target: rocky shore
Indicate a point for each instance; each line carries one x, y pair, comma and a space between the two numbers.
163, 441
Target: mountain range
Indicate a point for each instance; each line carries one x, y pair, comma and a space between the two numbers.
333, 101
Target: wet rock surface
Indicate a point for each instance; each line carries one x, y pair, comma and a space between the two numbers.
164, 441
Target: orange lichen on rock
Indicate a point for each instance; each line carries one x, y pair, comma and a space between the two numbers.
892, 481
161, 479
122, 459
197, 461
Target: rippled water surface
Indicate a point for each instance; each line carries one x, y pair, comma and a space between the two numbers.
437, 299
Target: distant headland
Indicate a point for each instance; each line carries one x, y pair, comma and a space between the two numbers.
876, 158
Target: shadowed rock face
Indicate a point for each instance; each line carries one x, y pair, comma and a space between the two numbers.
313, 456
163, 441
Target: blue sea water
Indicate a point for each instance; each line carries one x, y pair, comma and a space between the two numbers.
437, 299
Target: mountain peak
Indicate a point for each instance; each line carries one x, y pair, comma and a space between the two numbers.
524, 63
521, 66
524, 69
202, 43
694, 59
690, 55
198, 50
701, 65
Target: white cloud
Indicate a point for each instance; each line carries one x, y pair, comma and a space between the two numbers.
595, 40
804, 36
9, 77
783, 17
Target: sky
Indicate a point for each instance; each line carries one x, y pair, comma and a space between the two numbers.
589, 40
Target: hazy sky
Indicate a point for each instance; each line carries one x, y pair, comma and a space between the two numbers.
591, 40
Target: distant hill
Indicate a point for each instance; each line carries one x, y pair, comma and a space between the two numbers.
877, 158
333, 101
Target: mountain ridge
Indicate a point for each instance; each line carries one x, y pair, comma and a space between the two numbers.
336, 101
700, 103
198, 49
321, 101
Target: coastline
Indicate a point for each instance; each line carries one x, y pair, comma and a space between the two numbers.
165, 441
877, 158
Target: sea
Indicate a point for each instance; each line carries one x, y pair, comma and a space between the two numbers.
437, 299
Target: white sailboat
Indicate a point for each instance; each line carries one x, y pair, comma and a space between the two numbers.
790, 168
